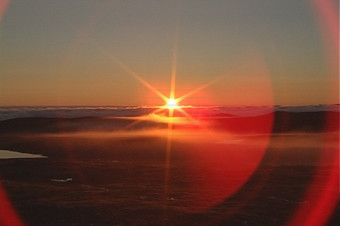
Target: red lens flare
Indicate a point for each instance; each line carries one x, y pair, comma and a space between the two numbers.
323, 192
222, 159
3, 6
8, 215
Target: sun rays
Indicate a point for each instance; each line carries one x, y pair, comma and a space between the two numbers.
172, 112
171, 103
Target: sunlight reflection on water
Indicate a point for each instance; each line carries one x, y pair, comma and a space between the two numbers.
6, 154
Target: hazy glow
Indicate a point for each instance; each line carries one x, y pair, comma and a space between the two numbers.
172, 103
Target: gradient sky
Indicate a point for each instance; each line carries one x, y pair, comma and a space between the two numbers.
264, 52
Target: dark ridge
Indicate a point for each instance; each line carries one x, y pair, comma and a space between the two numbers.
306, 121
56, 125
277, 122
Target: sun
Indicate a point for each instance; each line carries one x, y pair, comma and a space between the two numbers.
171, 103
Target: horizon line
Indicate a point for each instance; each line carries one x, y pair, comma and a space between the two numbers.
188, 106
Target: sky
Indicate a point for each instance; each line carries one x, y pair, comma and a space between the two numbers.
94, 53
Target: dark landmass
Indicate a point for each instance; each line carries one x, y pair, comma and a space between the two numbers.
280, 121
121, 180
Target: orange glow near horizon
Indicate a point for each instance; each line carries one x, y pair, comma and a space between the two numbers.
179, 121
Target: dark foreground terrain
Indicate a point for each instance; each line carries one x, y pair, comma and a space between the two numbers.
99, 178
